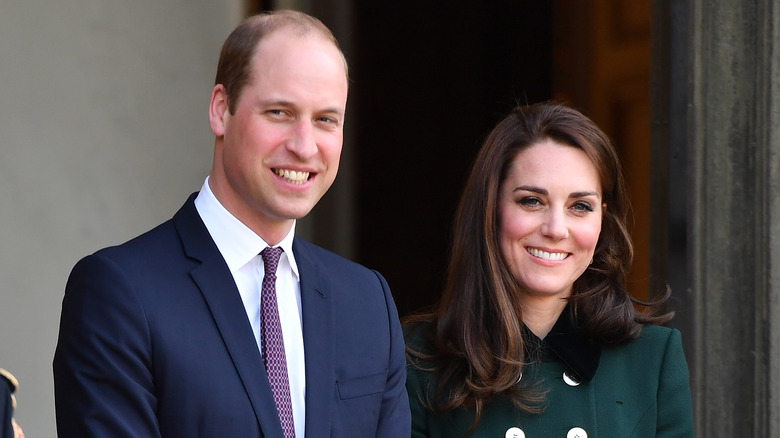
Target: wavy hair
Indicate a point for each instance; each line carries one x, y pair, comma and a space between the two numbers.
476, 329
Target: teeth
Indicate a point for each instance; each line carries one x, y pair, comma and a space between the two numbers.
292, 176
547, 255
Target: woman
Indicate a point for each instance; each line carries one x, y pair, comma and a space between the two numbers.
535, 334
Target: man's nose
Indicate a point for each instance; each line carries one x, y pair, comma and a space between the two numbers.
303, 142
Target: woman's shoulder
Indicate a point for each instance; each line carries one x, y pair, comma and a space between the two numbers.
417, 333
420, 345
658, 335
654, 344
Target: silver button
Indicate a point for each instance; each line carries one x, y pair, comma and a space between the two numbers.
577, 432
515, 432
571, 379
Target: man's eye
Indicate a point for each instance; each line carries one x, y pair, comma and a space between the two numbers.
328, 120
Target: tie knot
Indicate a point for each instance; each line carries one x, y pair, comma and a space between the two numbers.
270, 257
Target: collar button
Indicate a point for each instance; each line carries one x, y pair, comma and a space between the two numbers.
571, 379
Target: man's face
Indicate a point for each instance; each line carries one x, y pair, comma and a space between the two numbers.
279, 153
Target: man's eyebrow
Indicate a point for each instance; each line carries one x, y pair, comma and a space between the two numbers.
287, 103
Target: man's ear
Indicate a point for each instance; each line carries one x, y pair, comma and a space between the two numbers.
218, 110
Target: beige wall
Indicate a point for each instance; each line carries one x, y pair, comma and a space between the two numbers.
103, 134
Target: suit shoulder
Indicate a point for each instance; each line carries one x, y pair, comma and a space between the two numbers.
326, 257
161, 238
148, 242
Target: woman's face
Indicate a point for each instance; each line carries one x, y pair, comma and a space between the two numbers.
550, 211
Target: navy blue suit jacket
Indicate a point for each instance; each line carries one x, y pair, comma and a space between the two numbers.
154, 341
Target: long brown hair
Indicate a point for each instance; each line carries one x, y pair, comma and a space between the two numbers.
476, 329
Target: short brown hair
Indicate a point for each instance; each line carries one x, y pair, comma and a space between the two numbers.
234, 68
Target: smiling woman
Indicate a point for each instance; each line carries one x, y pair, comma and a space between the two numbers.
549, 211
535, 334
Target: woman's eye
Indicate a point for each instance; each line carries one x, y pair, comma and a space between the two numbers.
582, 206
529, 201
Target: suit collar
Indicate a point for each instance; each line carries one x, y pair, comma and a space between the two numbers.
237, 243
316, 305
218, 288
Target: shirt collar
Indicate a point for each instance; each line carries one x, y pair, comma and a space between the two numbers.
576, 350
236, 242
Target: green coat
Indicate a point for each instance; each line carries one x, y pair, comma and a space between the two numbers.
634, 390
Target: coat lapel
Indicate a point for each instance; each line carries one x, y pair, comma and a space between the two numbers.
317, 341
219, 290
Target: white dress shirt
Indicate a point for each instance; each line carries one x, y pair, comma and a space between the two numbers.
241, 247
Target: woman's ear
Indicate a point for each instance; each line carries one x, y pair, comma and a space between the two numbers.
219, 110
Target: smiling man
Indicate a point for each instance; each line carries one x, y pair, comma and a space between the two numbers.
220, 322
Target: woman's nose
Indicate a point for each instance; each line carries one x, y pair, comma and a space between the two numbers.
554, 226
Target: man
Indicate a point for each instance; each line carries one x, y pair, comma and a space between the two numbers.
166, 335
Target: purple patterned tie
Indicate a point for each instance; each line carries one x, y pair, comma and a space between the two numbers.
272, 342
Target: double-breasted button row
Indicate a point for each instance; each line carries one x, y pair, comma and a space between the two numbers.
574, 432
571, 379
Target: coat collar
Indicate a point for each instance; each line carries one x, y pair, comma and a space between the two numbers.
571, 345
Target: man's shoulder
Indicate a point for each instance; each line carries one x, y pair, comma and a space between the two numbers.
324, 257
149, 238
336, 272
159, 240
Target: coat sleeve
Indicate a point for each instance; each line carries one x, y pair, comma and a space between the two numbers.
419, 413
416, 382
394, 420
102, 379
675, 412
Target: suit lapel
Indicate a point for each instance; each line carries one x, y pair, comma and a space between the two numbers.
219, 290
317, 339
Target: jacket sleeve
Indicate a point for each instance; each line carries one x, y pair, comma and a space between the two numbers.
394, 420
102, 379
675, 412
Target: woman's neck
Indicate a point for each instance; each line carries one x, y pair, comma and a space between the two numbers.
541, 313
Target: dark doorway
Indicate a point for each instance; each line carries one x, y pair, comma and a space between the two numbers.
430, 80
